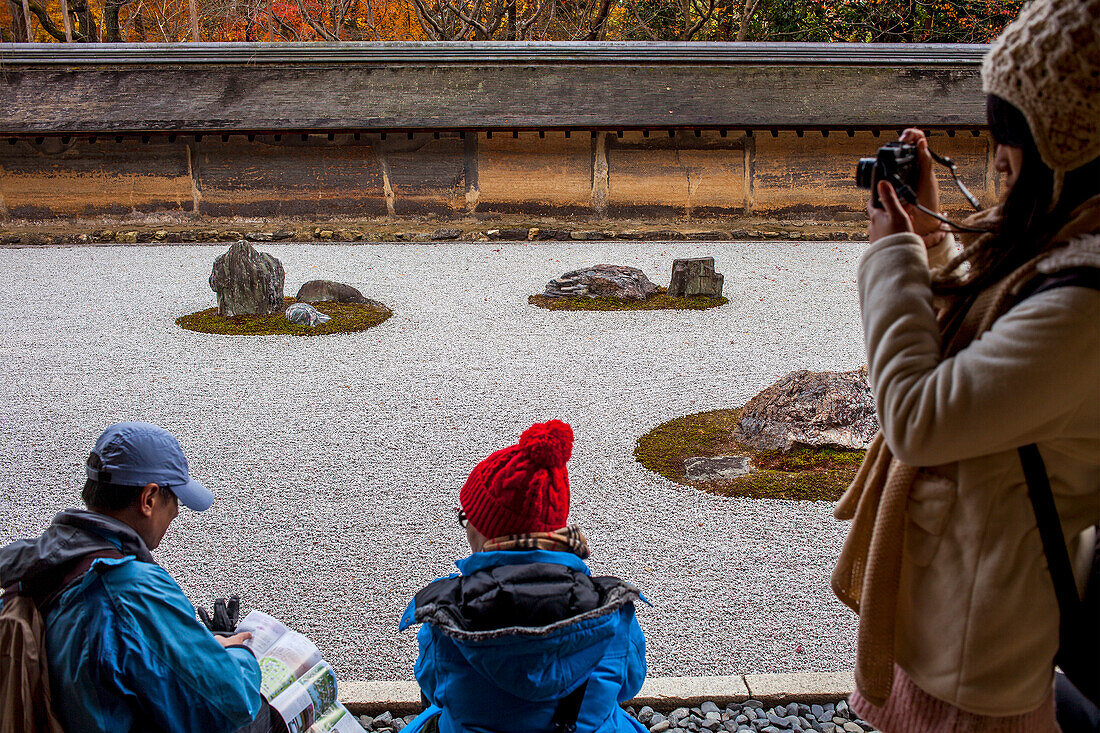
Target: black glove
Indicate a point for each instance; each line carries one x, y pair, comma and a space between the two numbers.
226, 615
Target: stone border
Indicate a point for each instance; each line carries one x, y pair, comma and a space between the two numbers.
29, 237
660, 693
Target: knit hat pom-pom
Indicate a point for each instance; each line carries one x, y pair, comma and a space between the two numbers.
548, 444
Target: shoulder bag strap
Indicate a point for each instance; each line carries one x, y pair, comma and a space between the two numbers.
1077, 634
569, 707
48, 597
1050, 532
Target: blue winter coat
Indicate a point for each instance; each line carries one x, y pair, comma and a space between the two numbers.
125, 650
516, 632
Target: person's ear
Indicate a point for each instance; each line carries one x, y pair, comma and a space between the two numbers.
147, 500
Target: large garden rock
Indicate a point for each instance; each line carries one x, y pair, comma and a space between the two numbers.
316, 291
247, 281
813, 409
602, 281
695, 276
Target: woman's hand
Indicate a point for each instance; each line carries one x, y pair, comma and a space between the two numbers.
891, 218
928, 189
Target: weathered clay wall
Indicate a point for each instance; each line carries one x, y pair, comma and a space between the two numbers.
597, 175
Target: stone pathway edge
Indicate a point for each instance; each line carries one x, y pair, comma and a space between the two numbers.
660, 693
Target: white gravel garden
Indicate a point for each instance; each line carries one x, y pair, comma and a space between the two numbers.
336, 460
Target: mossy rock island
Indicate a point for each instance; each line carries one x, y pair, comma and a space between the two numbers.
801, 473
624, 288
344, 318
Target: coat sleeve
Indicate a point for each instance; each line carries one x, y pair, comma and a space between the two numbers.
425, 670
635, 658
1017, 384
170, 665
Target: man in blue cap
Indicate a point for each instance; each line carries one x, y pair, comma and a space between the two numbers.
124, 648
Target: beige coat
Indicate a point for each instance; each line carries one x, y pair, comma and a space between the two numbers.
977, 619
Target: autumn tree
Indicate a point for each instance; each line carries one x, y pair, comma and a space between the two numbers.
883, 21
902, 21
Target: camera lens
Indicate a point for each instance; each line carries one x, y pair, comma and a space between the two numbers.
865, 172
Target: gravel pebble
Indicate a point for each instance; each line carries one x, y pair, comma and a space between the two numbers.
336, 461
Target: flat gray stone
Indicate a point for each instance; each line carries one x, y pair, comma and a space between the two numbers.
783, 687
716, 468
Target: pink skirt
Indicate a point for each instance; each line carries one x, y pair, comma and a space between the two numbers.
909, 709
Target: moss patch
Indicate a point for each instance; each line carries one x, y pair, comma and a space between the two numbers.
660, 301
819, 474
346, 317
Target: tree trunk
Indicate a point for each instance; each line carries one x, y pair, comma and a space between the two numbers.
747, 11
194, 22
68, 21
27, 27
18, 21
87, 31
111, 32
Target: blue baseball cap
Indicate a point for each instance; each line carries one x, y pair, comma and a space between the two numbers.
139, 453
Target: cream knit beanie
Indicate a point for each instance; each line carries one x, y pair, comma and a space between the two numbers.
1046, 63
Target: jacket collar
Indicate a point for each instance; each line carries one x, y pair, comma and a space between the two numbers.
483, 560
72, 534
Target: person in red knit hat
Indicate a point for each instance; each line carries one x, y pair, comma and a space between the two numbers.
525, 639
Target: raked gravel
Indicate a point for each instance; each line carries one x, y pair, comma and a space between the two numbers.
336, 461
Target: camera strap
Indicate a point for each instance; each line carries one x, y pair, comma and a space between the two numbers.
954, 169
909, 195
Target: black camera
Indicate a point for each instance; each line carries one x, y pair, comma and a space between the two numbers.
895, 162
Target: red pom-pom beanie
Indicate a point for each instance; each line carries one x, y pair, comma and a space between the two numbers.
522, 488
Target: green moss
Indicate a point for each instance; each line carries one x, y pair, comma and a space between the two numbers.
660, 301
345, 318
819, 474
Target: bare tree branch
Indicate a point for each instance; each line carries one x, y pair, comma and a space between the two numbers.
600, 21
44, 19
428, 22
704, 15
318, 27
650, 33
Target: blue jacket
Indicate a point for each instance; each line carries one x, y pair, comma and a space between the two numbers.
516, 632
125, 650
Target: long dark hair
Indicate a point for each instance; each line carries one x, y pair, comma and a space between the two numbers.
1027, 222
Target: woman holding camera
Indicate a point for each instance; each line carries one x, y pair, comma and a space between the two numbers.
973, 352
